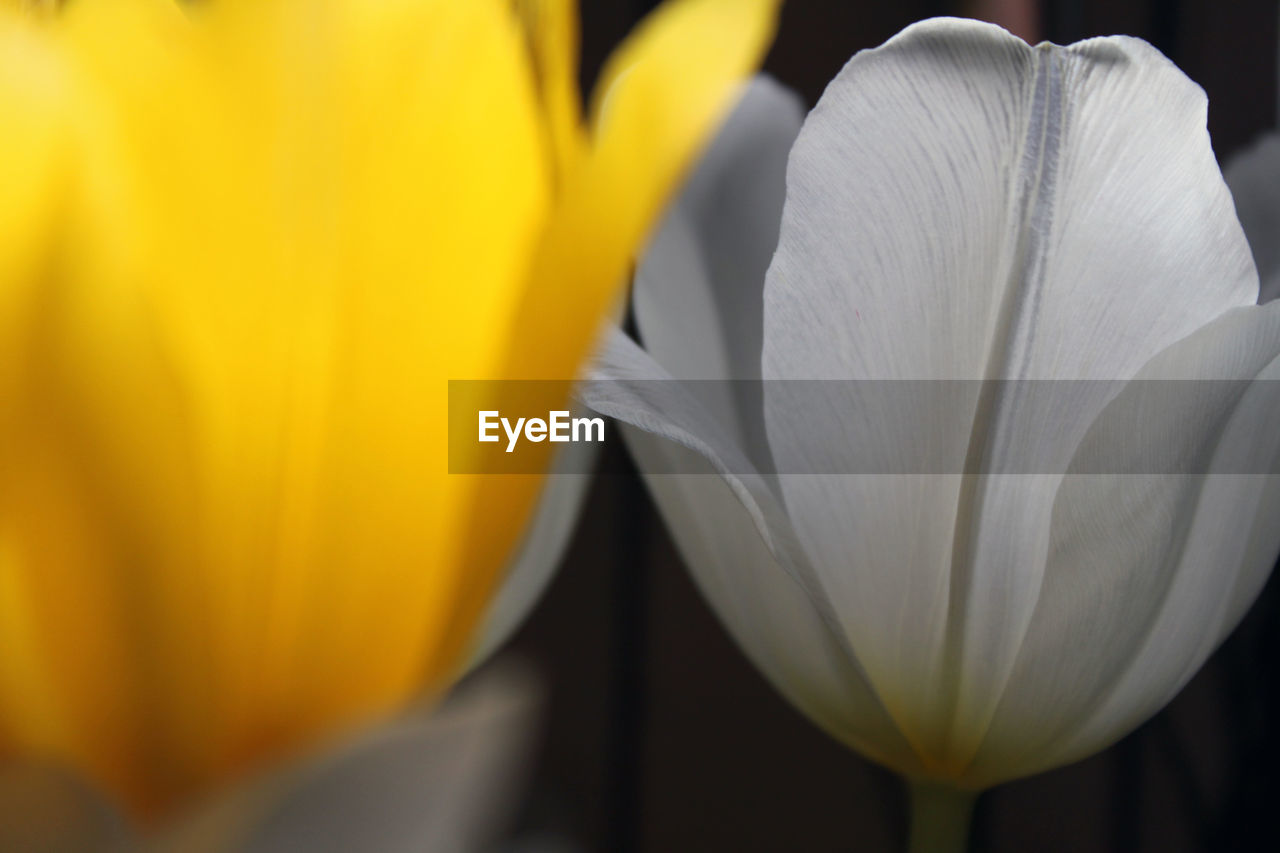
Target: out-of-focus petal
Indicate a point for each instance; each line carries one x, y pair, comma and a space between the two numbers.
290, 236
961, 205
31, 8
668, 86
229, 531
34, 107
552, 27
34, 166
442, 782
698, 292
661, 95
62, 684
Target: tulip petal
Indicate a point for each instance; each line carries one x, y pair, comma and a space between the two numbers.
294, 220
991, 195
767, 613
698, 292
552, 28
1148, 571
63, 691
628, 385
290, 237
737, 542
1254, 179
625, 383
34, 166
441, 782
34, 95
660, 96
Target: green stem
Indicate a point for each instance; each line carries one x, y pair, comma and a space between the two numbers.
939, 818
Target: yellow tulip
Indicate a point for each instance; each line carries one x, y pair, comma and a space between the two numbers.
243, 247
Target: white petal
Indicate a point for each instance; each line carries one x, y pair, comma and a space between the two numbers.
699, 288
625, 383
438, 783
542, 549
1149, 571
628, 385
762, 607
960, 205
1254, 179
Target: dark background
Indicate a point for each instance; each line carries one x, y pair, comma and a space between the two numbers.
660, 735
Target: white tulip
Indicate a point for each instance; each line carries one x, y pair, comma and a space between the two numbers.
962, 206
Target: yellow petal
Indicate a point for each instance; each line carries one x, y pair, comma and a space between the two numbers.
33, 150
660, 96
33, 8
61, 667
665, 90
300, 219
552, 30
227, 530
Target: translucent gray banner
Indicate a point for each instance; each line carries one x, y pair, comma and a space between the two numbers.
899, 427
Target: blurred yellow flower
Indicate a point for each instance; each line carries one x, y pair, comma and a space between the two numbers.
243, 247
